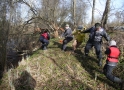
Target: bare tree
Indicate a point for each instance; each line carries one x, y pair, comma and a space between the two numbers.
74, 10
6, 7
105, 14
80, 12
93, 8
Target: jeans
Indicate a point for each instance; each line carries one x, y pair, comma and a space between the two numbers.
97, 46
108, 73
44, 42
65, 42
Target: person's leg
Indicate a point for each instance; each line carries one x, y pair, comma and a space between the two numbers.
105, 69
88, 46
78, 44
74, 45
45, 44
110, 76
65, 42
98, 52
42, 41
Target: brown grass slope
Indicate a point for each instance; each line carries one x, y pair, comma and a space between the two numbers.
54, 69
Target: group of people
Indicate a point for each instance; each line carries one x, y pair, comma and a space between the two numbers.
96, 33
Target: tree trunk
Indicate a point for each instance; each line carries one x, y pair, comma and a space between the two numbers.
105, 14
74, 10
93, 8
3, 42
55, 28
4, 30
56, 34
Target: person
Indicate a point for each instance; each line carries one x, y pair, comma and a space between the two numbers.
95, 39
113, 54
79, 37
68, 37
44, 39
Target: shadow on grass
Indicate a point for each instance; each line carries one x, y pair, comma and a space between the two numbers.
25, 82
90, 64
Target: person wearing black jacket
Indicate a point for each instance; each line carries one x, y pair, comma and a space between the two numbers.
95, 39
44, 39
112, 60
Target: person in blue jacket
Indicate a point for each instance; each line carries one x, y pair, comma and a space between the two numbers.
95, 39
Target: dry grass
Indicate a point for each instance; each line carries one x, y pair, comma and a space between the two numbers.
56, 70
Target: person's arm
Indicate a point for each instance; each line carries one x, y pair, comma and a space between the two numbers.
106, 36
68, 32
88, 30
108, 51
63, 34
48, 36
74, 32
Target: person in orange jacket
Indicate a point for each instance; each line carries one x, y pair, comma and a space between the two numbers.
113, 54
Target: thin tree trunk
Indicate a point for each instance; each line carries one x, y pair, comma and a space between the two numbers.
93, 8
105, 14
3, 42
4, 32
74, 10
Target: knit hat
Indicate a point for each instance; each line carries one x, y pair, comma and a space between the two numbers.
80, 27
112, 43
67, 25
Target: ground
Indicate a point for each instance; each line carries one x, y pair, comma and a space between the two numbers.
53, 69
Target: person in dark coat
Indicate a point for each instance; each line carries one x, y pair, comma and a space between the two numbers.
95, 39
68, 37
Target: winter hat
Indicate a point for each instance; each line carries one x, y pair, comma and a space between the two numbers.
112, 43
67, 25
80, 27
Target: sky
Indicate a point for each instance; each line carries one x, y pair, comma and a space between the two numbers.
100, 6
99, 9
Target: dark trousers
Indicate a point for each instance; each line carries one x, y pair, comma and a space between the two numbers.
108, 73
65, 42
97, 46
44, 42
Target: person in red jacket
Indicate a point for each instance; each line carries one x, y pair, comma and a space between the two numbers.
44, 39
113, 54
